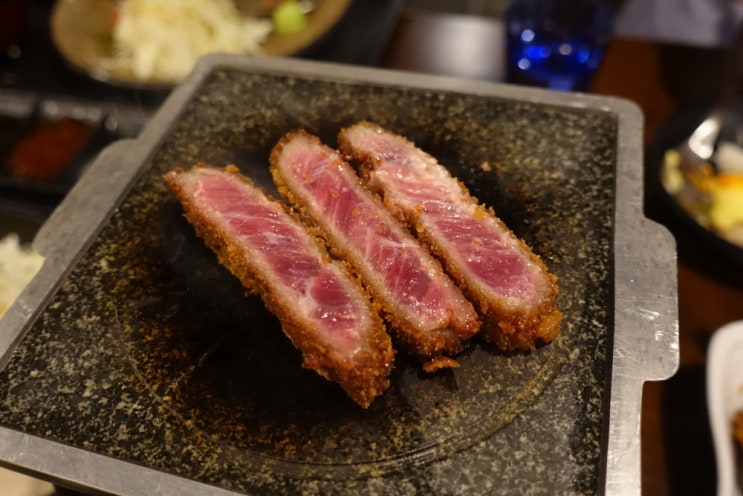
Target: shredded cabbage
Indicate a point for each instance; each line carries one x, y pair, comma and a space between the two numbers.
18, 265
163, 39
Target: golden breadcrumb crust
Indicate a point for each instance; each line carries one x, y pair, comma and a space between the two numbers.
363, 376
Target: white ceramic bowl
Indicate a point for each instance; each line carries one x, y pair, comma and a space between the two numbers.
724, 400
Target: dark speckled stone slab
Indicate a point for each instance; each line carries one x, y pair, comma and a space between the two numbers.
150, 353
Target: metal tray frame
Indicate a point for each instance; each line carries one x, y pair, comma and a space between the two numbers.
645, 338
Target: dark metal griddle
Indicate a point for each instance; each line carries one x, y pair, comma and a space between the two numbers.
133, 364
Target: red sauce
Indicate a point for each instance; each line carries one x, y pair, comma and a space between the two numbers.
48, 148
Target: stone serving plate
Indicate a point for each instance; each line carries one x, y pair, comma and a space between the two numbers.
132, 364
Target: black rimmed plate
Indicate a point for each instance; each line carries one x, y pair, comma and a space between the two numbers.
663, 204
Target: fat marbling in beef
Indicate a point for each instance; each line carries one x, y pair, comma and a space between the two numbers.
509, 284
428, 314
323, 310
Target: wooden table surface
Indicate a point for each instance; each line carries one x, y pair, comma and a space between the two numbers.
677, 456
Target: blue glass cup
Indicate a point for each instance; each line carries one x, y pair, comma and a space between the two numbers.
557, 44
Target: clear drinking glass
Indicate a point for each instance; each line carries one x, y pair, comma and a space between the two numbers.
557, 44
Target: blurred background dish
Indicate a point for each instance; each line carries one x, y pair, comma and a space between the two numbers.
724, 401
46, 144
83, 33
661, 178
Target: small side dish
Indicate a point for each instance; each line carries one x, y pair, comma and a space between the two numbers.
724, 214
47, 148
153, 44
725, 403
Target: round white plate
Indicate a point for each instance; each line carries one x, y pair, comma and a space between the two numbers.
724, 400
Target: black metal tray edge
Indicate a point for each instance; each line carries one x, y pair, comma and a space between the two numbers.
645, 279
